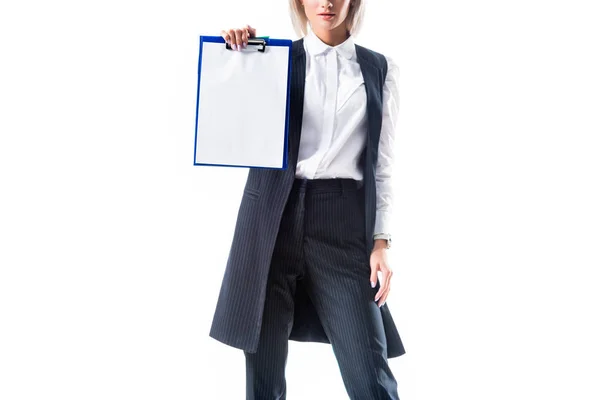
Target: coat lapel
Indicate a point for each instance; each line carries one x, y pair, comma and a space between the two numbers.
371, 75
297, 99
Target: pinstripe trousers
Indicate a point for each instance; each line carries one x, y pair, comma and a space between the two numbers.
321, 240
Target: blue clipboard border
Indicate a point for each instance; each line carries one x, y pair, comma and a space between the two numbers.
269, 42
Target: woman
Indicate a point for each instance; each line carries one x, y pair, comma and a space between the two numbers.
309, 239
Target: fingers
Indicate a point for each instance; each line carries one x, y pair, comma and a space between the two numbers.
373, 277
237, 38
384, 290
381, 288
244, 38
383, 299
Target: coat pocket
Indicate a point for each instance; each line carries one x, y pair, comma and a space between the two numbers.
252, 193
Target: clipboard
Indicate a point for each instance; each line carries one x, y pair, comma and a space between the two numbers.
243, 103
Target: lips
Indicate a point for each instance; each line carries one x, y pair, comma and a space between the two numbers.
327, 17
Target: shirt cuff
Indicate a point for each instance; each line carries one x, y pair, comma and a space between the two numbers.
385, 236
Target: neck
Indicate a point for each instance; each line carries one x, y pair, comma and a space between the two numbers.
333, 37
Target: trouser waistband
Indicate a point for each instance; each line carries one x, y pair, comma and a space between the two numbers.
327, 184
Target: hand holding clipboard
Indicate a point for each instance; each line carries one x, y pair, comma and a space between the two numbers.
253, 81
239, 38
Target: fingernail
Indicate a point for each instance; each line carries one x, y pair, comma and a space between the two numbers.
245, 44
372, 284
233, 46
377, 298
382, 304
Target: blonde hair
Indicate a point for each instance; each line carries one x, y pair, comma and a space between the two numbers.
353, 20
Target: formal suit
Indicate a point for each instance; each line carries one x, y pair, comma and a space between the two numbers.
266, 197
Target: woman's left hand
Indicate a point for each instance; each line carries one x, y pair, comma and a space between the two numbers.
379, 263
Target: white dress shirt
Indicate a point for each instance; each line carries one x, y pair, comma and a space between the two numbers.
334, 121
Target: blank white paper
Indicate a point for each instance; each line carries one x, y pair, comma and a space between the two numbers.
242, 106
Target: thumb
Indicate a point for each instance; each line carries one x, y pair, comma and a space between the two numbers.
251, 31
373, 277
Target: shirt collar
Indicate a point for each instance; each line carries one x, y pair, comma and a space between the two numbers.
315, 46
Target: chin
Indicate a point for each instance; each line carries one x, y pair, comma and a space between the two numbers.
326, 24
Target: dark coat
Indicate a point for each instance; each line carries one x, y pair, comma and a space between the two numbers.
238, 315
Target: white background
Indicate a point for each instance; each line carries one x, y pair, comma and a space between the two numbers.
113, 245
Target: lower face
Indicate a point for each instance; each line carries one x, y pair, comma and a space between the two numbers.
329, 22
